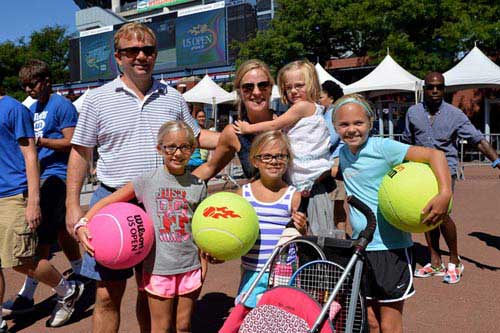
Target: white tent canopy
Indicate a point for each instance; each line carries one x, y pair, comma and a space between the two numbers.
388, 77
208, 92
323, 76
475, 70
79, 101
28, 101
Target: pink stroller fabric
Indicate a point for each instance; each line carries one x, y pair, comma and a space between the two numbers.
284, 309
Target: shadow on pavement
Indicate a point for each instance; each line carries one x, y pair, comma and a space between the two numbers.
44, 309
210, 312
490, 240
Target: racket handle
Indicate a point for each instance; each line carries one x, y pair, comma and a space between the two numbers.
304, 203
334, 309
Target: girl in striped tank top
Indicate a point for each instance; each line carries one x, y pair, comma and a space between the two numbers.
275, 202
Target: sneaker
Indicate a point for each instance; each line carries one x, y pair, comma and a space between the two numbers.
429, 270
17, 305
65, 306
453, 273
3, 327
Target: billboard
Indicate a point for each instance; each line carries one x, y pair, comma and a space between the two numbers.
96, 55
201, 39
145, 5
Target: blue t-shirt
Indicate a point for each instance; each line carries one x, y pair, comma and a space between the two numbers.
49, 120
334, 137
363, 174
15, 123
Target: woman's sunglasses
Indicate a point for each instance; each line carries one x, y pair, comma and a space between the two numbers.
249, 87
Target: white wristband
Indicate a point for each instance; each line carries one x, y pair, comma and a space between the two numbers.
81, 223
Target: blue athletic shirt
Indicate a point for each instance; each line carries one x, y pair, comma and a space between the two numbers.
15, 123
363, 174
49, 120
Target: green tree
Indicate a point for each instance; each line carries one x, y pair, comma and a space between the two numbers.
50, 44
422, 35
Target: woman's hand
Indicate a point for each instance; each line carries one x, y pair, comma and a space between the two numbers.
436, 209
211, 259
299, 221
241, 127
84, 237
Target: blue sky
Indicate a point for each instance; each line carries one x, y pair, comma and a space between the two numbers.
21, 17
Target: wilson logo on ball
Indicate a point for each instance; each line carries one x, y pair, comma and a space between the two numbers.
218, 212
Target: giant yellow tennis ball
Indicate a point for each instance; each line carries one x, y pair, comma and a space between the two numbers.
225, 225
404, 192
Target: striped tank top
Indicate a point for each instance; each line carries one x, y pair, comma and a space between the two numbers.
273, 217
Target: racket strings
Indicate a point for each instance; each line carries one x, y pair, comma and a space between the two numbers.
319, 280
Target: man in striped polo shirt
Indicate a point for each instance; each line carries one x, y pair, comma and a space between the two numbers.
122, 119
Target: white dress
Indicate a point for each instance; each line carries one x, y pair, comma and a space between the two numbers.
310, 141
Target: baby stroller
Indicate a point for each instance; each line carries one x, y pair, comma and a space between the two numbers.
306, 292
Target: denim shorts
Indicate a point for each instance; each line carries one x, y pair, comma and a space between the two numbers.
247, 279
91, 268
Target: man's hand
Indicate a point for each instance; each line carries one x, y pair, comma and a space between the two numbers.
84, 236
73, 215
33, 216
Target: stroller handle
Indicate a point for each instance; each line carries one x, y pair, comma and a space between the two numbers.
366, 235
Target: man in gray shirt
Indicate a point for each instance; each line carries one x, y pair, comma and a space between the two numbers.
437, 124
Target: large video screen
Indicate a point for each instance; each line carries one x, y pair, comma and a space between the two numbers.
201, 39
164, 28
96, 57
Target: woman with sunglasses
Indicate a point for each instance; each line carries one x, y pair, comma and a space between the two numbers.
253, 83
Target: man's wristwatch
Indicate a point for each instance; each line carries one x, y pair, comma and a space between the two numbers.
81, 223
495, 163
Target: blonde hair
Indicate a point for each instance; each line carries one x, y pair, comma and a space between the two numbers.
355, 99
243, 69
175, 126
307, 69
264, 139
133, 29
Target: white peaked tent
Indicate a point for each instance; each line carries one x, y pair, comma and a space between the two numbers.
208, 92
387, 77
28, 101
475, 70
323, 76
79, 101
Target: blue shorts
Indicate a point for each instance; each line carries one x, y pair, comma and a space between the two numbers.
246, 280
91, 268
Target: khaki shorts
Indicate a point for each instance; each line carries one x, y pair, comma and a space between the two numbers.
17, 241
339, 193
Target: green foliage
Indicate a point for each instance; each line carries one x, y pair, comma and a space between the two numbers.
50, 44
422, 35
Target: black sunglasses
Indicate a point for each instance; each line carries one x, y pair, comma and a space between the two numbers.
133, 52
31, 84
249, 87
432, 86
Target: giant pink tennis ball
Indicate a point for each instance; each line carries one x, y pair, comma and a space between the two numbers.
122, 235
403, 194
225, 225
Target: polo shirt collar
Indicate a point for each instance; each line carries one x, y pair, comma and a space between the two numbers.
439, 109
157, 87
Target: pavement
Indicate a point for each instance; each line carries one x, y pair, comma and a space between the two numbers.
473, 305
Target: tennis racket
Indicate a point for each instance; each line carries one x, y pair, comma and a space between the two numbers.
318, 278
289, 258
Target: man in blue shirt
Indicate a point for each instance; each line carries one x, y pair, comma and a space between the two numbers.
437, 124
54, 120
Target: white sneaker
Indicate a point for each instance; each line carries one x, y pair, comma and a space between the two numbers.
65, 306
3, 327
